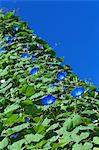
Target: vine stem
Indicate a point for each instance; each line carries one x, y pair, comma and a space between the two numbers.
54, 116
75, 105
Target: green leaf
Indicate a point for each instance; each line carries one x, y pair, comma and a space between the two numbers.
61, 131
46, 46
53, 139
46, 121
33, 138
3, 72
72, 122
32, 109
21, 79
87, 146
39, 128
77, 147
11, 108
6, 88
96, 140
64, 140
76, 120
15, 129
17, 145
47, 146
52, 127
68, 124
61, 59
40, 144
11, 120
95, 148
30, 91
5, 83
22, 88
4, 143
55, 146
50, 89
36, 95
78, 138
9, 15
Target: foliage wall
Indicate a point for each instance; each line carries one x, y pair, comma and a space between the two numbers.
43, 105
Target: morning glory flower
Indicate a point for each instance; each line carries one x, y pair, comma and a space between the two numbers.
57, 83
61, 75
40, 46
14, 37
15, 135
2, 50
25, 55
7, 37
34, 70
77, 92
16, 28
48, 100
53, 84
27, 119
33, 57
9, 41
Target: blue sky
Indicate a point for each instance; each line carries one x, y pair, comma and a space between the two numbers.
72, 25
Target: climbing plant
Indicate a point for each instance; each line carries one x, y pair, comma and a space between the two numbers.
43, 105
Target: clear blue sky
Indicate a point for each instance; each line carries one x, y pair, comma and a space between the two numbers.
75, 24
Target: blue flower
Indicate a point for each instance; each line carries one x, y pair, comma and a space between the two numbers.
27, 119
15, 135
34, 70
7, 37
40, 46
61, 75
9, 41
57, 83
50, 84
14, 37
53, 84
77, 92
25, 55
16, 28
48, 100
2, 50
33, 57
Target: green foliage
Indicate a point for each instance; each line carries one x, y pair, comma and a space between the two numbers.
68, 124
4, 143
